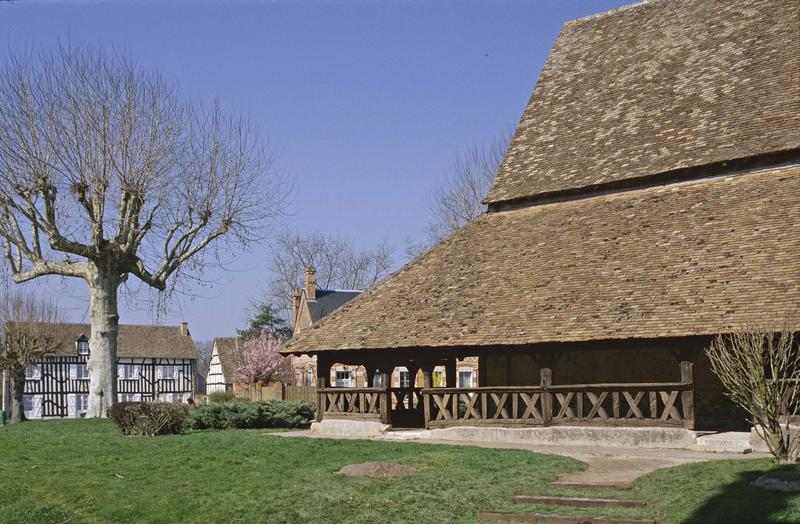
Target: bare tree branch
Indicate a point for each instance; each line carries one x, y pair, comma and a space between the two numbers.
459, 198
338, 263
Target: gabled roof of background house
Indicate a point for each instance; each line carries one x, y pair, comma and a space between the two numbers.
226, 348
132, 341
328, 301
656, 87
696, 258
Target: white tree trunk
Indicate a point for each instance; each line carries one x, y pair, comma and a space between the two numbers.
102, 364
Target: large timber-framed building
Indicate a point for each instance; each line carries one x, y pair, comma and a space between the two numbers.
649, 200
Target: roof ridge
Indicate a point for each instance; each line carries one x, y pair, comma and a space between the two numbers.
175, 326
608, 12
341, 290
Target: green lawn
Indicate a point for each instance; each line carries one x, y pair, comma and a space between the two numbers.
84, 471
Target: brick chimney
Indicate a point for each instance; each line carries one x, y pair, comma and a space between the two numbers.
184, 329
311, 283
295, 302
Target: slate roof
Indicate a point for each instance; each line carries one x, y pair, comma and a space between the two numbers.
656, 87
133, 341
328, 301
226, 348
685, 259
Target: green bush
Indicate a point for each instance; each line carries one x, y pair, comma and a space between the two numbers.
244, 414
149, 418
221, 396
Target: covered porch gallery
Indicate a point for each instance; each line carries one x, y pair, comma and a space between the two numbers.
611, 383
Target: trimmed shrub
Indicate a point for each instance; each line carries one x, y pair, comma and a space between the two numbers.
149, 418
244, 414
221, 396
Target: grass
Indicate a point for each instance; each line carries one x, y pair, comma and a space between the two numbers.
84, 471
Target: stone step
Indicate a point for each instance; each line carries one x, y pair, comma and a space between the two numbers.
578, 484
558, 519
406, 435
580, 502
726, 442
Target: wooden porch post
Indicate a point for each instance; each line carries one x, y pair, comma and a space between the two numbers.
427, 383
451, 373
686, 358
413, 369
323, 374
386, 397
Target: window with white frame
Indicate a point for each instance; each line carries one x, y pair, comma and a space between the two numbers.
344, 378
166, 372
465, 378
298, 377
81, 404
405, 379
83, 347
128, 371
309, 377
78, 372
32, 406
129, 397
33, 372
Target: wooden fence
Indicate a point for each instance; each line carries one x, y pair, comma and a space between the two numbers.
276, 391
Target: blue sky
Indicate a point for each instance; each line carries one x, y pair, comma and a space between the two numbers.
365, 103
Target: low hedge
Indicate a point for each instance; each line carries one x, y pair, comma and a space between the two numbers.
244, 414
221, 396
149, 418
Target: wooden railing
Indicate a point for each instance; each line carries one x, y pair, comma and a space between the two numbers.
659, 404
483, 406
364, 403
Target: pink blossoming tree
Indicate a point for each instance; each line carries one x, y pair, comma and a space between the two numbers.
258, 360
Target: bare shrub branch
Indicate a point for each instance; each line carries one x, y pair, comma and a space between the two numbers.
760, 370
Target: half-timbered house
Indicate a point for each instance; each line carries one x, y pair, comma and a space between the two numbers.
154, 363
221, 369
649, 200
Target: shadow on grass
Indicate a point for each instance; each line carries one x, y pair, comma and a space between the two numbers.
742, 502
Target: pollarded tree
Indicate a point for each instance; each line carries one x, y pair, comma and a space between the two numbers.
107, 171
258, 360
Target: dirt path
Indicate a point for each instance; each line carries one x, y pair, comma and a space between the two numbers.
607, 465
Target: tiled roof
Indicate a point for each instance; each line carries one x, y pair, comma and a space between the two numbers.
132, 341
685, 259
226, 349
656, 87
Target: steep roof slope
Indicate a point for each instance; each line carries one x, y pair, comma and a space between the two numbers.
657, 87
226, 348
328, 301
685, 259
132, 341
